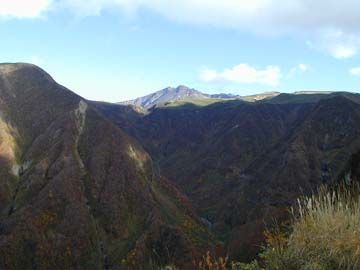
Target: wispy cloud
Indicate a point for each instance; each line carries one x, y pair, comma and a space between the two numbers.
36, 60
339, 44
303, 67
355, 71
299, 69
243, 73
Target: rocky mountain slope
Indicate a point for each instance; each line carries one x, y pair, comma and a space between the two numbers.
243, 164
76, 192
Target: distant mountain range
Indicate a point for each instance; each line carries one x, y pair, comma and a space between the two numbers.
184, 93
171, 96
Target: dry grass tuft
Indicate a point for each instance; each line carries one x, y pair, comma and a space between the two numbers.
210, 263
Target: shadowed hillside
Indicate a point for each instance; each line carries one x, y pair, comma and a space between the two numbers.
243, 164
145, 190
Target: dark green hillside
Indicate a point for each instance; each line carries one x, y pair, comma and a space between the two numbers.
243, 164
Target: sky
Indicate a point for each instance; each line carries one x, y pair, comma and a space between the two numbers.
114, 50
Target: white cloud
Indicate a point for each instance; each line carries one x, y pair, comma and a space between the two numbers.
355, 71
23, 8
243, 73
332, 26
342, 52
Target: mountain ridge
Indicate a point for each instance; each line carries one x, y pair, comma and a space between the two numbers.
67, 171
180, 95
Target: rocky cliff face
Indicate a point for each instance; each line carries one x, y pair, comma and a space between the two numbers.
76, 192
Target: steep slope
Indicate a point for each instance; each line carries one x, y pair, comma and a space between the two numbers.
78, 193
242, 164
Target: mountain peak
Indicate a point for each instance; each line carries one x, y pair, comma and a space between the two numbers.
169, 94
180, 88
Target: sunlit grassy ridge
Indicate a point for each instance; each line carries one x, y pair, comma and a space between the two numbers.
196, 102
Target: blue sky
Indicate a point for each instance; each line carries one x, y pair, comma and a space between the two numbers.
115, 50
